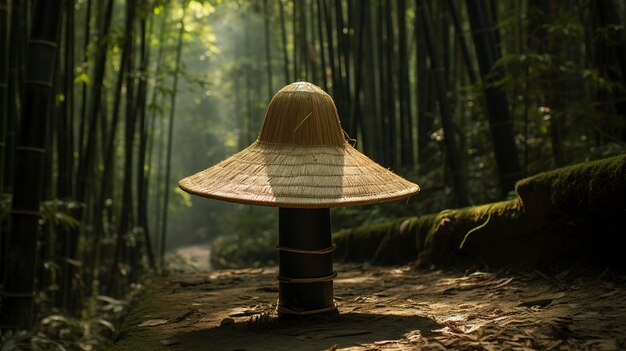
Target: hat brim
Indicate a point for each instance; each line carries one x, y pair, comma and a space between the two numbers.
299, 177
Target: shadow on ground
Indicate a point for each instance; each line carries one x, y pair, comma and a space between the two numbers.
318, 333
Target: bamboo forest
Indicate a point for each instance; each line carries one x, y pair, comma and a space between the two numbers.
312, 175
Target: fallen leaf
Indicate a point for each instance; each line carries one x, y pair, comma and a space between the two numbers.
153, 322
386, 342
539, 302
243, 311
503, 282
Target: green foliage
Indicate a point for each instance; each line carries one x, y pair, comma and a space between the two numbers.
60, 333
555, 72
82, 78
252, 245
176, 263
58, 213
91, 331
109, 304
256, 250
14, 340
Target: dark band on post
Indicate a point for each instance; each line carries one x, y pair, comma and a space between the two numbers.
304, 251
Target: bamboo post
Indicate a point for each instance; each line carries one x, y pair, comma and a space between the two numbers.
305, 262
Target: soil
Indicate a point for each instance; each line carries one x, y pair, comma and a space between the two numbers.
385, 308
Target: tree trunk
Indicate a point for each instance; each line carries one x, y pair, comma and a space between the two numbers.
67, 237
4, 86
500, 121
283, 32
15, 93
105, 186
609, 16
170, 134
371, 121
456, 20
142, 165
406, 125
157, 113
383, 85
4, 110
83, 108
336, 91
452, 152
356, 118
321, 40
389, 75
16, 55
88, 151
343, 84
268, 50
424, 124
17, 306
312, 49
127, 215
303, 42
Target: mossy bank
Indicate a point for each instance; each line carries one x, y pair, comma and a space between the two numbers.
557, 217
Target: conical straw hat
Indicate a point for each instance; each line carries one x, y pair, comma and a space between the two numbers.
300, 159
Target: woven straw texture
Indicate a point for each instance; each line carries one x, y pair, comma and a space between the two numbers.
300, 159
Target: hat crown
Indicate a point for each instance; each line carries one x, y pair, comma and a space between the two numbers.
301, 113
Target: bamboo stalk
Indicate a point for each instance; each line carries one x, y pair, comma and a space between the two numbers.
170, 135
452, 152
17, 306
268, 50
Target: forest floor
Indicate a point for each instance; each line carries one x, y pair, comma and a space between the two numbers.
385, 308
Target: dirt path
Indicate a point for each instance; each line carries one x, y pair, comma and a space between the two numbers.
197, 257
385, 309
